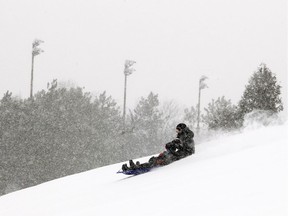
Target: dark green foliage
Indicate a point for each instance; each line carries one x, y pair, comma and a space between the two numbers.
59, 132
221, 114
65, 131
147, 123
261, 93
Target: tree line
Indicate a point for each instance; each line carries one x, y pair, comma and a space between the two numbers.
262, 93
62, 131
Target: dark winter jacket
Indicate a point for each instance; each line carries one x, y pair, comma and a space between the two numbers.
186, 138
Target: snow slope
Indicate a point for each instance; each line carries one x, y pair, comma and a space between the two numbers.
243, 174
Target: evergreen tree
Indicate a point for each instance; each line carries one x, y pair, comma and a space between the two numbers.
261, 93
60, 132
12, 144
221, 114
106, 123
148, 121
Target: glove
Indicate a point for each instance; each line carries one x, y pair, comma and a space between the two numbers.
177, 143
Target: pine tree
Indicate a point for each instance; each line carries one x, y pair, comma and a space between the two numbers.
261, 93
148, 121
221, 114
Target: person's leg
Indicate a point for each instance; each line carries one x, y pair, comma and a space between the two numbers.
132, 164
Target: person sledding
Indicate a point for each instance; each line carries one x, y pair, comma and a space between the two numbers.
178, 148
185, 144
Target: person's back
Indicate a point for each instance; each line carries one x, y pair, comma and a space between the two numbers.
185, 135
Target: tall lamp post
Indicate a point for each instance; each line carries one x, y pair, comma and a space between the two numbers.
202, 85
128, 70
35, 51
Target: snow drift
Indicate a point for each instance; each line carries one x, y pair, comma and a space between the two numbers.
242, 174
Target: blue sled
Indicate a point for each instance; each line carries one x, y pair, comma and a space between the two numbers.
135, 171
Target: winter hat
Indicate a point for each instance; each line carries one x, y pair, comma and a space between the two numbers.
181, 126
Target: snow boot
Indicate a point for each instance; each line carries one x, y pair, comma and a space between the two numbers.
132, 164
125, 167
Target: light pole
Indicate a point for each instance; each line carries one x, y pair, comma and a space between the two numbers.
127, 71
202, 85
35, 51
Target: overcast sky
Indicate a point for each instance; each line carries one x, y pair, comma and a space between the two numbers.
173, 42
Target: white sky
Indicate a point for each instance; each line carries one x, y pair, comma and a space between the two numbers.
173, 42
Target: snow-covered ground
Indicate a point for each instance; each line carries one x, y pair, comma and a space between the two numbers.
243, 174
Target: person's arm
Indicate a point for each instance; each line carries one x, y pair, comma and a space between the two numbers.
188, 138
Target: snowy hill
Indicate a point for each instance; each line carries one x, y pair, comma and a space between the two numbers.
243, 174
